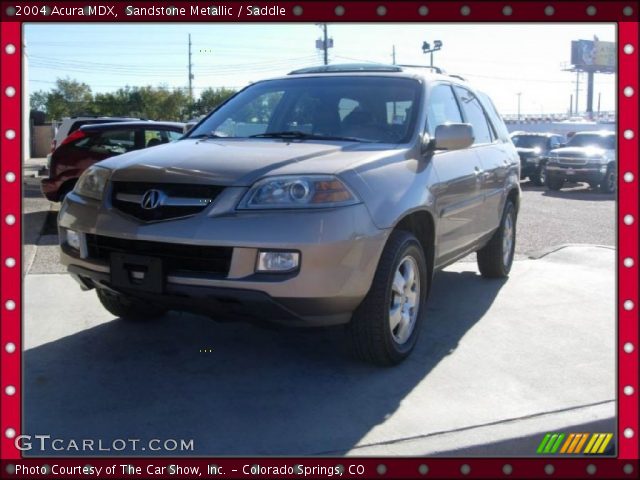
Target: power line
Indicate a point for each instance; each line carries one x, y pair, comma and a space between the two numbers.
234, 87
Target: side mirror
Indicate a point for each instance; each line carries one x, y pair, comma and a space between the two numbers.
453, 136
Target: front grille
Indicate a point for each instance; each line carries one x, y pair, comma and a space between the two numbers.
176, 257
208, 193
571, 161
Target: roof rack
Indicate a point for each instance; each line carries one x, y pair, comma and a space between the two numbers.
435, 69
459, 77
348, 67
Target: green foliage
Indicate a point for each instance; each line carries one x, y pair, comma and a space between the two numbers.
210, 98
71, 98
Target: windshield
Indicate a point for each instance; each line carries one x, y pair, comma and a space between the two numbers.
357, 108
529, 141
607, 142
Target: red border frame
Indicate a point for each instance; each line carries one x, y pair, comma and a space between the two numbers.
527, 11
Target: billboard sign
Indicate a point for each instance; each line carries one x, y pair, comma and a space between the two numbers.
593, 53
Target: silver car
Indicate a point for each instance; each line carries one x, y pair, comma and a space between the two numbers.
329, 196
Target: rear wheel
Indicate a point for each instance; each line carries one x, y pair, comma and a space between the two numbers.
608, 185
128, 308
496, 257
385, 327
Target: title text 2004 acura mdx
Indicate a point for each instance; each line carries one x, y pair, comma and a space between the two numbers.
329, 196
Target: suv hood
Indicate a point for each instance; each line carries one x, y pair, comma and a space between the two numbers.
237, 162
528, 152
580, 151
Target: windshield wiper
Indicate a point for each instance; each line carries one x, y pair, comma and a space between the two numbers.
298, 135
206, 135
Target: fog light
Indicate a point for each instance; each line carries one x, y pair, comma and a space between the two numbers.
278, 261
73, 239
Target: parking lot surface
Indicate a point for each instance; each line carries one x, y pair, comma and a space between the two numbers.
496, 361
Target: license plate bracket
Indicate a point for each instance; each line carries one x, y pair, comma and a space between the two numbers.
137, 272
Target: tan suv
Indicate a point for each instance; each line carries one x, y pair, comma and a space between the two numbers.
329, 196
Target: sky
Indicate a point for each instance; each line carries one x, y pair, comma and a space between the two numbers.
500, 59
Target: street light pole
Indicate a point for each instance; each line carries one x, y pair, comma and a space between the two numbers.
426, 48
519, 94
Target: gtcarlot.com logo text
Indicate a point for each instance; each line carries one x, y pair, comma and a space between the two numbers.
46, 443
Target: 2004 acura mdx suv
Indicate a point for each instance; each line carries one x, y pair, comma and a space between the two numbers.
329, 196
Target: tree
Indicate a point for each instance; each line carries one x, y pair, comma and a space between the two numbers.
38, 101
69, 98
210, 98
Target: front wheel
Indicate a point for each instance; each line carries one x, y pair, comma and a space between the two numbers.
555, 183
608, 185
128, 308
496, 257
539, 179
385, 327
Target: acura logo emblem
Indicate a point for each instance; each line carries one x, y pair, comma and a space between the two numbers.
151, 199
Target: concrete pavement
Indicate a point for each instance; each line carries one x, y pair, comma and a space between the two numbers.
496, 361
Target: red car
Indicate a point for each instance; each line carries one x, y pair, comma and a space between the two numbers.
93, 143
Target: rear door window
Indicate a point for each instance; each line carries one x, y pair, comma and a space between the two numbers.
113, 142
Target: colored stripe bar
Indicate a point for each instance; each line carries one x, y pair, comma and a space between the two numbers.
575, 442
550, 443
596, 446
555, 447
567, 443
605, 443
543, 443
582, 441
594, 437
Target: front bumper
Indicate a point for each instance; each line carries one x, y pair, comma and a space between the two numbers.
339, 251
591, 174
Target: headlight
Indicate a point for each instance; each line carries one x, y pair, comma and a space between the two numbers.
92, 182
309, 191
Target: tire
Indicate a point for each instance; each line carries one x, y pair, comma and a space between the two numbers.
539, 179
496, 257
608, 185
128, 308
372, 336
555, 183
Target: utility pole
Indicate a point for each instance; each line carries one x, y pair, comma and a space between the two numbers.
325, 44
519, 94
570, 104
393, 54
577, 91
190, 74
